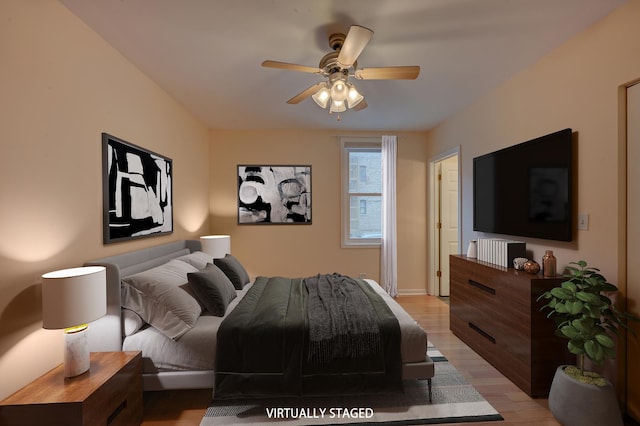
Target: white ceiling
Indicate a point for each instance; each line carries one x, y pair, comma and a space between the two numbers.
207, 53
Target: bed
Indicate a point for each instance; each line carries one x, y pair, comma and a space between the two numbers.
183, 357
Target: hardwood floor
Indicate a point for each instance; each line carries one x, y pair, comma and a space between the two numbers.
514, 405
184, 408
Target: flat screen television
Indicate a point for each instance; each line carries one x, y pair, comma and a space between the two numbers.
526, 189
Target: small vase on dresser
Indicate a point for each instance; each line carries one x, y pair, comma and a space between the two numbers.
472, 250
548, 264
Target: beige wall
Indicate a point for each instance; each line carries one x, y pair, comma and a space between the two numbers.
61, 87
574, 86
303, 250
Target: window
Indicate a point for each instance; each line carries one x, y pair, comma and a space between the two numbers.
361, 191
363, 172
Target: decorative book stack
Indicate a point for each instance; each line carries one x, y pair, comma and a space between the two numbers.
500, 251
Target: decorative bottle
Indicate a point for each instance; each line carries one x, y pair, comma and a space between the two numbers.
548, 264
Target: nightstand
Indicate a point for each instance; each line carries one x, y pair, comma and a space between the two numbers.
109, 394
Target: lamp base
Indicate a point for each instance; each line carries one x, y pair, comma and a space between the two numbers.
76, 351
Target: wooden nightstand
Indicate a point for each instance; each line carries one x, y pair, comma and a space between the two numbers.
109, 394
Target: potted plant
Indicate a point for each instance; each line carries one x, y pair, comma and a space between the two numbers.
588, 319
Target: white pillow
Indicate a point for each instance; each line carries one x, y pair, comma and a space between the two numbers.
158, 296
132, 322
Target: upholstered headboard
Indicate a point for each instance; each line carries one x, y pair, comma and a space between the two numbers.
106, 333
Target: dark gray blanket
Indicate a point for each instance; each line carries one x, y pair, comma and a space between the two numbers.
342, 322
263, 347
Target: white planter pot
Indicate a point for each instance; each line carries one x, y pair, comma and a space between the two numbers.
574, 403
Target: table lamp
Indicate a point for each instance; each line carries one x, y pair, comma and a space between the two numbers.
216, 246
71, 298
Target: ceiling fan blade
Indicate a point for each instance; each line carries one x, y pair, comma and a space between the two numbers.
388, 73
305, 94
292, 67
354, 43
361, 105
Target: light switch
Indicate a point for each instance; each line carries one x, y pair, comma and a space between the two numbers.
583, 221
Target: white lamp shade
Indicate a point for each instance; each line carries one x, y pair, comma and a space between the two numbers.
217, 246
354, 97
337, 106
321, 97
339, 91
72, 297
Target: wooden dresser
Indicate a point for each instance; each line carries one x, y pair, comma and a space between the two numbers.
495, 312
109, 394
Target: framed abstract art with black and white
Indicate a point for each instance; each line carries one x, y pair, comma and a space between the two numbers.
274, 194
137, 191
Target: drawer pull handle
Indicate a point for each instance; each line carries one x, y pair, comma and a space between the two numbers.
482, 333
482, 287
117, 411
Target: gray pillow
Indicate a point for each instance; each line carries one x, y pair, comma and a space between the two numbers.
199, 259
233, 269
158, 296
213, 288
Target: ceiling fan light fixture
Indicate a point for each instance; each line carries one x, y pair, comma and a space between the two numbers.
353, 96
338, 66
322, 96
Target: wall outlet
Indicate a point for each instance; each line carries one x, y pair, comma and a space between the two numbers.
363, 275
583, 221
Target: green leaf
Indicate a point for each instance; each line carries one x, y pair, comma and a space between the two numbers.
568, 285
604, 299
594, 351
605, 340
590, 298
571, 271
574, 307
608, 287
584, 324
595, 281
590, 312
561, 293
570, 331
575, 347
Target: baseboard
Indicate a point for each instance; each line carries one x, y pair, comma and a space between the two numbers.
412, 292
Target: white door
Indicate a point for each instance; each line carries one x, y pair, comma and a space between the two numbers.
633, 248
448, 218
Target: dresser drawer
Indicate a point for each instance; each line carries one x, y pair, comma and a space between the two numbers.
119, 400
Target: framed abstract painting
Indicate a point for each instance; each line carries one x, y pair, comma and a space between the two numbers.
274, 194
137, 192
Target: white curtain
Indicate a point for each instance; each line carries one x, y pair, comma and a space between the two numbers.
389, 252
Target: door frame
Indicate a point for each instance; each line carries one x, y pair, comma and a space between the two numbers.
434, 247
623, 263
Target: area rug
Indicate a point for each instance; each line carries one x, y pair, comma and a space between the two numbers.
454, 401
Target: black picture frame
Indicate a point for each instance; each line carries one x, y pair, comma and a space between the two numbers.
137, 191
274, 194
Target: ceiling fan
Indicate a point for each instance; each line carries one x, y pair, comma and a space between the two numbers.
337, 92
